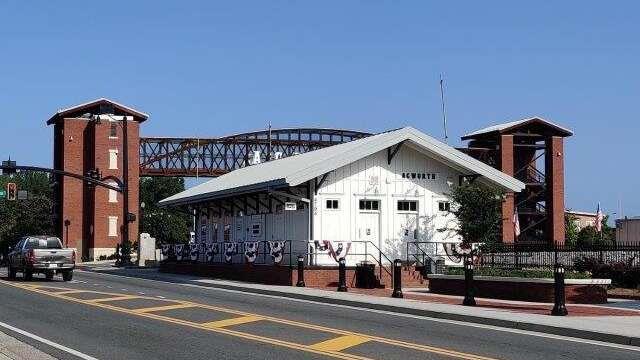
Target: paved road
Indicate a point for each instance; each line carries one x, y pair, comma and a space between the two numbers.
114, 317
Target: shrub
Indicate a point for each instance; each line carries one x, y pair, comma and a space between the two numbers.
523, 273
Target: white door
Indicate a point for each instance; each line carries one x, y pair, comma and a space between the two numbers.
369, 227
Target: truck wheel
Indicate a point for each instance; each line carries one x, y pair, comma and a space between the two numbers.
28, 275
67, 275
12, 273
49, 275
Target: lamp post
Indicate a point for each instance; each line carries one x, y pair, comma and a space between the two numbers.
469, 299
142, 206
559, 308
300, 282
397, 279
342, 275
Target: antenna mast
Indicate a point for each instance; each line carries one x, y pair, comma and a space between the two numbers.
444, 113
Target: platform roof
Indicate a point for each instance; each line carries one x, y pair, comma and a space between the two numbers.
297, 169
520, 125
80, 109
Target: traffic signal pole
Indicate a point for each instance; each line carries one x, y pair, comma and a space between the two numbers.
125, 259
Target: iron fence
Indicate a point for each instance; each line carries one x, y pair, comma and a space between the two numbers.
516, 256
435, 255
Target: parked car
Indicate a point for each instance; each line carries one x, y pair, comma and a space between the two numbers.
41, 254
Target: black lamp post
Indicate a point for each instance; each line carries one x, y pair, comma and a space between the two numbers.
342, 275
469, 299
559, 308
397, 279
300, 282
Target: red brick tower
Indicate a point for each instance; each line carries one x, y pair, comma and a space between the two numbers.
88, 137
531, 150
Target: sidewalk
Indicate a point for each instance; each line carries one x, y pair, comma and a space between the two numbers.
616, 322
13, 349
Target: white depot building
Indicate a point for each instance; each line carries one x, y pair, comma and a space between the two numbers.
379, 192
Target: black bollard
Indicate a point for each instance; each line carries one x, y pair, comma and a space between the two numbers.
300, 282
397, 279
342, 275
559, 308
469, 299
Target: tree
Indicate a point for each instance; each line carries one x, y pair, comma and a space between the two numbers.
571, 229
589, 236
478, 210
31, 216
167, 225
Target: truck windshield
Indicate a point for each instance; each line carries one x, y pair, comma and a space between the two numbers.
50, 243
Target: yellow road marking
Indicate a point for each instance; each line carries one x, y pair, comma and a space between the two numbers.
248, 336
69, 292
115, 298
164, 308
233, 321
340, 343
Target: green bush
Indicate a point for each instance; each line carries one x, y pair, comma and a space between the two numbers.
523, 273
622, 274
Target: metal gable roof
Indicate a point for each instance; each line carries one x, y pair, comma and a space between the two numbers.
63, 112
295, 170
512, 124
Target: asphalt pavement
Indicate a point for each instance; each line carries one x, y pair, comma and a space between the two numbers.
114, 317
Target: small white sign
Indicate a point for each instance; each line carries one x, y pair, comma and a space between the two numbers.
290, 206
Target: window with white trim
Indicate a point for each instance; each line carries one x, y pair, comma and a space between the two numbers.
407, 205
113, 226
113, 159
333, 204
113, 195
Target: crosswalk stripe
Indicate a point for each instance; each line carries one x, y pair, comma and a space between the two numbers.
340, 343
232, 321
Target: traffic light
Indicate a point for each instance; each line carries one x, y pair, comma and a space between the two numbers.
12, 191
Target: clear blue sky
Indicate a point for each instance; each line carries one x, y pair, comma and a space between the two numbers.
211, 68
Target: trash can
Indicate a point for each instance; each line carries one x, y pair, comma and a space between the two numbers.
365, 275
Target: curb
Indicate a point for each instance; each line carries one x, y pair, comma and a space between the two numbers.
548, 329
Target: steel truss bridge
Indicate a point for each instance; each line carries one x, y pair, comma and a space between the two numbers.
210, 157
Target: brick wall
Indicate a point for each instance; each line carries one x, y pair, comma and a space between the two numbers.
525, 291
83, 145
554, 165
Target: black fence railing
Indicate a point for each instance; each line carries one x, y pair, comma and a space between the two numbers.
516, 256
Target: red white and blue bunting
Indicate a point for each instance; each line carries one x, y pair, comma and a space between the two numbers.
179, 248
212, 250
194, 251
276, 250
251, 251
230, 249
337, 249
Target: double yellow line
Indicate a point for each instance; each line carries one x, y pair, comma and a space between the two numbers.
332, 348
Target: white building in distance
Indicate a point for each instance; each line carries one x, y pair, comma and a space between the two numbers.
380, 192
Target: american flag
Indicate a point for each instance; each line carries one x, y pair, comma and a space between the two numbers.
516, 223
599, 218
